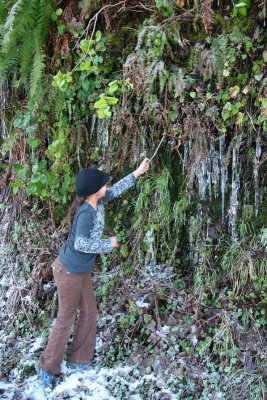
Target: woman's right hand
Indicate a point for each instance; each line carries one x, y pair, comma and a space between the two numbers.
114, 241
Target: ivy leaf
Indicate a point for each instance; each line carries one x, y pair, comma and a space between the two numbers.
107, 112
102, 103
33, 142
85, 66
228, 106
240, 117
84, 45
101, 114
112, 100
240, 5
98, 36
60, 29
226, 72
246, 89
54, 16
201, 106
172, 116
68, 77
113, 86
124, 250
234, 91
85, 85
226, 112
235, 108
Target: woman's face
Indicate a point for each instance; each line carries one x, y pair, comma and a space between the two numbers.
102, 191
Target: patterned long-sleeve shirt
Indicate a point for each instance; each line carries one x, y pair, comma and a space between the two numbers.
84, 242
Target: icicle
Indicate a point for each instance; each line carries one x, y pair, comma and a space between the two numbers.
196, 242
150, 260
94, 117
234, 194
208, 228
209, 172
224, 172
3, 104
185, 158
256, 162
102, 134
215, 170
201, 173
192, 224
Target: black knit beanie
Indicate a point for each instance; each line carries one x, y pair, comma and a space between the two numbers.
89, 181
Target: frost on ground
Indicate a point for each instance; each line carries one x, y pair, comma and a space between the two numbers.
100, 383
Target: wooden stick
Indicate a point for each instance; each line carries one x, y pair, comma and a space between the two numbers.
157, 148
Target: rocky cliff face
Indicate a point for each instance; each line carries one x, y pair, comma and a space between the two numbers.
107, 84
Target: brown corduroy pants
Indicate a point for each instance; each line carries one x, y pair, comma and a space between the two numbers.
75, 291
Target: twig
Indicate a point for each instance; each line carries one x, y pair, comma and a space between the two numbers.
163, 137
253, 126
96, 15
93, 31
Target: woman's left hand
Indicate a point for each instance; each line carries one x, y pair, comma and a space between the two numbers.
143, 167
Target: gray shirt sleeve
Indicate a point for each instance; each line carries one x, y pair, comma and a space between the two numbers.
87, 236
119, 187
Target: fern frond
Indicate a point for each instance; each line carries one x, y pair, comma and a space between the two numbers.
26, 52
60, 105
10, 20
44, 11
207, 14
8, 62
4, 8
176, 83
24, 34
38, 65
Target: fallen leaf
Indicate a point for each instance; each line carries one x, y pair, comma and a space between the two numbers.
180, 3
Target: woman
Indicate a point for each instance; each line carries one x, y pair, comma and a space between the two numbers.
72, 272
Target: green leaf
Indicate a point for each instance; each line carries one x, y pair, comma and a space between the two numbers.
112, 100
234, 91
54, 16
228, 106
101, 114
84, 45
69, 77
98, 36
113, 86
85, 66
60, 29
192, 94
226, 72
17, 167
240, 5
235, 108
59, 11
124, 251
33, 142
201, 106
102, 103
240, 117
107, 112
85, 85
172, 116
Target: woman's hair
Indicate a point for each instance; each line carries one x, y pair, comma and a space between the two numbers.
72, 209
